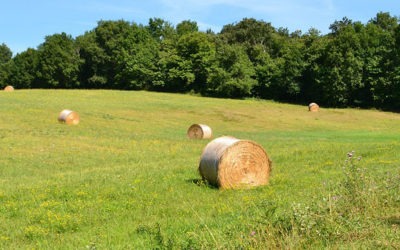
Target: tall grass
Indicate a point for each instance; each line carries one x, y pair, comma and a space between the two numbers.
126, 176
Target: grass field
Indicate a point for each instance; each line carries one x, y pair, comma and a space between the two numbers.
126, 176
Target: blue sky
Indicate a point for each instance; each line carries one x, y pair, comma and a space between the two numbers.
25, 23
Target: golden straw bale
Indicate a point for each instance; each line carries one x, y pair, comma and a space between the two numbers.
9, 88
199, 131
313, 107
227, 162
68, 117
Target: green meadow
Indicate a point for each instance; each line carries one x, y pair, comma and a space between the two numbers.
126, 176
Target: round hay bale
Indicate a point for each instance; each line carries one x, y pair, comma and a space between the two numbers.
68, 117
199, 131
227, 162
9, 88
313, 107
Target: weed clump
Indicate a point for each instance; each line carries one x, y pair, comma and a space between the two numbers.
349, 211
346, 213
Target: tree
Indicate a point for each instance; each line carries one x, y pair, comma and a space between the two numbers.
23, 70
92, 71
266, 71
5, 58
186, 27
337, 26
394, 101
382, 61
120, 55
375, 55
5, 54
290, 66
175, 72
59, 61
185, 64
314, 51
250, 33
139, 71
234, 74
160, 29
339, 75
385, 21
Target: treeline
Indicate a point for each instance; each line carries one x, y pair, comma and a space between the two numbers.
354, 65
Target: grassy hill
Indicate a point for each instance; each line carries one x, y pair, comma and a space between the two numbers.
126, 176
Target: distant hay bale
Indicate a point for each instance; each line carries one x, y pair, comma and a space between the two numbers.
227, 162
313, 107
9, 88
199, 131
68, 117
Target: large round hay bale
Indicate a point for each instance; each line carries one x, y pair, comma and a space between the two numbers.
199, 131
9, 88
68, 117
227, 162
313, 107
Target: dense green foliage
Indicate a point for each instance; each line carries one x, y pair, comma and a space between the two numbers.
355, 64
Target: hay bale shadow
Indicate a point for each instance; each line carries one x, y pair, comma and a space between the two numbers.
201, 183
